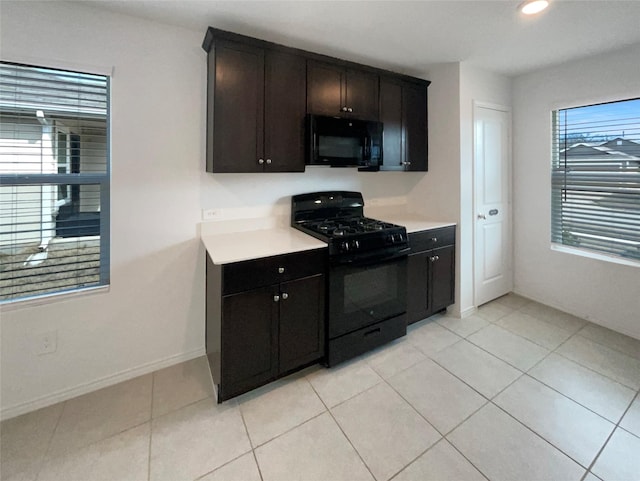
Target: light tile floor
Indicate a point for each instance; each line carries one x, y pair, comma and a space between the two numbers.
519, 391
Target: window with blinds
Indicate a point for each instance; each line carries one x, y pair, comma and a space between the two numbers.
54, 181
596, 178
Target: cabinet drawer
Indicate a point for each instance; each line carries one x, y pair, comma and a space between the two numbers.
242, 276
365, 339
431, 239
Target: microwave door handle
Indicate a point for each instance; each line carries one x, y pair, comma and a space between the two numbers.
367, 148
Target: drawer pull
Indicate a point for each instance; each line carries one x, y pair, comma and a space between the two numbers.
276, 298
371, 332
285, 296
280, 270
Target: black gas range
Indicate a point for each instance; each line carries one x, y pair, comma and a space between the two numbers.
366, 282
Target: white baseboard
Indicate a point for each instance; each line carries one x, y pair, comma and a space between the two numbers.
469, 311
456, 312
64, 394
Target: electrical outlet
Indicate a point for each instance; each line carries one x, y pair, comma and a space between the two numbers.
211, 214
46, 342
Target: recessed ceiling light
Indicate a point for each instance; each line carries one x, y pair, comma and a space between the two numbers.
531, 7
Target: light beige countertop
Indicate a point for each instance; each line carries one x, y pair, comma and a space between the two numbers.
411, 222
227, 247
237, 240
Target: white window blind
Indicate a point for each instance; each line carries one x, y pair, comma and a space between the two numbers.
596, 178
54, 181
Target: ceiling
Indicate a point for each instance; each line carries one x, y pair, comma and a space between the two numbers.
409, 36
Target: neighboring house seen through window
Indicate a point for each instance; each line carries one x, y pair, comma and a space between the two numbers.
596, 178
54, 181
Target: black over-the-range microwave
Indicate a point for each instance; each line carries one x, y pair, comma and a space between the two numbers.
340, 142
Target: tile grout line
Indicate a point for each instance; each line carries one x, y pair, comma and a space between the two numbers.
615, 428
491, 401
580, 365
539, 435
340, 427
253, 448
633, 388
153, 382
443, 437
46, 452
602, 343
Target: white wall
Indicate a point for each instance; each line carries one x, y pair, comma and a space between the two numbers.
153, 313
603, 292
476, 85
437, 195
447, 192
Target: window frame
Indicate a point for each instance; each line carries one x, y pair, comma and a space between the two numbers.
557, 193
73, 181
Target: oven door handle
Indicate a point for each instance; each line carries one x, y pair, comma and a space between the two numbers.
373, 259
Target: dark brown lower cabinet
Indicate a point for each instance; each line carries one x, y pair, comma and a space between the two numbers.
301, 333
430, 272
249, 354
259, 334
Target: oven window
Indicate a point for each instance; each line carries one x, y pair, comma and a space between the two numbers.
368, 288
339, 147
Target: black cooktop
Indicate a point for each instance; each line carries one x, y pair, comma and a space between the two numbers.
337, 217
347, 226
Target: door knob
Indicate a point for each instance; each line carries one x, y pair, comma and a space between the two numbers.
261, 161
280, 270
349, 109
482, 216
276, 298
268, 161
285, 295
344, 109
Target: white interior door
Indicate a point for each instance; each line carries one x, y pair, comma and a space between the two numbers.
492, 256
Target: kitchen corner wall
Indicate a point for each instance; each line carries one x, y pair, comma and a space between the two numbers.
447, 192
603, 292
153, 313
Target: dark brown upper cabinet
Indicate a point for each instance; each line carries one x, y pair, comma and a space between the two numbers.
340, 91
256, 109
258, 94
403, 111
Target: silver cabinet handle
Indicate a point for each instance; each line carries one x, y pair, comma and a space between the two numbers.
434, 258
280, 270
276, 298
285, 295
268, 161
344, 109
434, 239
349, 109
437, 258
406, 162
261, 161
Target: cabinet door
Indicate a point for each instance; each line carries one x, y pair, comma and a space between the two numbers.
361, 95
285, 108
249, 344
417, 287
414, 107
391, 117
442, 277
236, 76
301, 336
324, 89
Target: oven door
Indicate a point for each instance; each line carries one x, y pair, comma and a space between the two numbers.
361, 294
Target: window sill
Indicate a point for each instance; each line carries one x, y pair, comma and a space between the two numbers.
13, 305
594, 255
